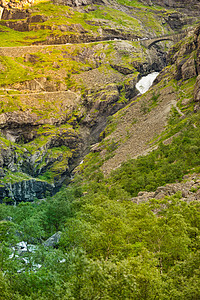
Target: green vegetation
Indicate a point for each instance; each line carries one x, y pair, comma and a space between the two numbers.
13, 177
57, 15
54, 67
14, 72
11, 37
167, 164
51, 11
111, 248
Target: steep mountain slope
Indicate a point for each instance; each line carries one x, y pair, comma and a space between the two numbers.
140, 126
55, 97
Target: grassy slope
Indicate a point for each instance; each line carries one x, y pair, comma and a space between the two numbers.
142, 21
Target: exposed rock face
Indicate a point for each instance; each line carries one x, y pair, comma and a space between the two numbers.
25, 22
185, 57
175, 20
14, 14
184, 6
26, 190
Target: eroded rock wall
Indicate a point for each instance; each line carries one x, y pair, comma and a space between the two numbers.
26, 190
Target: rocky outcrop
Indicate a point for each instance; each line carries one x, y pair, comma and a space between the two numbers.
15, 14
185, 56
189, 190
185, 7
17, 158
72, 3
176, 21
32, 23
26, 190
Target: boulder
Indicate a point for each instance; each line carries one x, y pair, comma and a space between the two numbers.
53, 240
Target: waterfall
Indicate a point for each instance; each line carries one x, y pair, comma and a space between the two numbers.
1, 11
146, 82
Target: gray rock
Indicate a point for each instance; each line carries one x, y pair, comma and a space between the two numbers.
188, 69
53, 240
26, 190
189, 189
37, 18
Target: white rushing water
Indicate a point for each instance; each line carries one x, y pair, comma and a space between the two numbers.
146, 82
